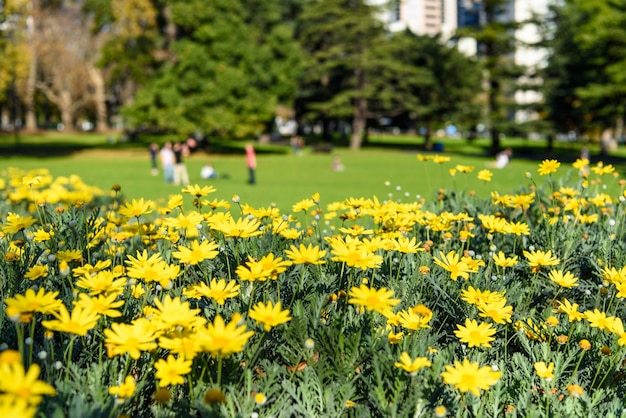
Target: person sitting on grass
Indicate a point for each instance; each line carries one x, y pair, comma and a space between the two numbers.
208, 172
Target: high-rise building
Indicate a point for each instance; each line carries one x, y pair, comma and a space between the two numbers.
431, 17
422, 17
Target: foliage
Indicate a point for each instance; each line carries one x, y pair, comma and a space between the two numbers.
343, 41
496, 43
421, 79
215, 83
362, 281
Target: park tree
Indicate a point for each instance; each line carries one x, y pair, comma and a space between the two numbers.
495, 37
133, 45
66, 55
584, 87
602, 35
427, 81
227, 68
342, 40
17, 60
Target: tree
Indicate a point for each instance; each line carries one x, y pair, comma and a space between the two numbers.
225, 75
340, 37
65, 50
133, 45
584, 85
603, 34
495, 37
426, 81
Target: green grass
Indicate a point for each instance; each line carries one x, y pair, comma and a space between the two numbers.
286, 179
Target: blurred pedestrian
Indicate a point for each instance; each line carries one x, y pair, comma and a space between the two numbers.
503, 158
181, 151
251, 163
167, 162
337, 165
208, 172
154, 150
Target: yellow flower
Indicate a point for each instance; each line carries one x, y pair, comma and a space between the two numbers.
415, 319
538, 259
601, 169
303, 205
354, 254
197, 253
69, 255
476, 296
306, 255
130, 338
221, 339
581, 164
242, 228
470, 377
544, 370
102, 282
218, 290
10, 357
42, 301
405, 245
269, 315
485, 175
79, 322
451, 263
575, 391
124, 390
570, 309
260, 399
497, 311
16, 223
566, 280
584, 344
548, 167
378, 300
598, 319
502, 260
171, 371
474, 334
440, 411
16, 407
136, 208
175, 201
196, 190
395, 338
411, 366
174, 314
23, 385
186, 223
102, 305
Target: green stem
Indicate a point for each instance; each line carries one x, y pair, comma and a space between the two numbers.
580, 359
597, 372
293, 297
219, 371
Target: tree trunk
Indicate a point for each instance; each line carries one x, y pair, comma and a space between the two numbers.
493, 109
31, 80
67, 113
428, 143
99, 97
360, 111
29, 97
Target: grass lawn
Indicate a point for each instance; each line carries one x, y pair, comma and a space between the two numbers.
286, 179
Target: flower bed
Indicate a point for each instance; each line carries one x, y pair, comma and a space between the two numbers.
458, 306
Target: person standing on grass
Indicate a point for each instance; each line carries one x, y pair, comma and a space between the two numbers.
181, 177
154, 150
251, 163
167, 162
